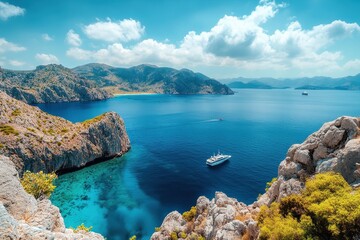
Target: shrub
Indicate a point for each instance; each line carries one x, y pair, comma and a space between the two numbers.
183, 235
38, 184
327, 208
16, 112
173, 236
189, 215
82, 227
6, 129
269, 184
133, 237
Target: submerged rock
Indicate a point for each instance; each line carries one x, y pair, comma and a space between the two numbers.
24, 217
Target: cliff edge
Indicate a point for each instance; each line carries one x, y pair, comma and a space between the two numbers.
36, 141
334, 147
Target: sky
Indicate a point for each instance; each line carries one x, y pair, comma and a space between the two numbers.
221, 39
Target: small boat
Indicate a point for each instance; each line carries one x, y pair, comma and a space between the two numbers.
217, 159
305, 93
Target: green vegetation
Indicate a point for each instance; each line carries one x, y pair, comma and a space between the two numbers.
174, 236
38, 184
269, 184
16, 112
82, 227
6, 129
189, 215
2, 145
93, 120
183, 235
327, 208
157, 229
133, 238
64, 130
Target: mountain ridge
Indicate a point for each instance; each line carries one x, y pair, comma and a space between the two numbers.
316, 83
150, 78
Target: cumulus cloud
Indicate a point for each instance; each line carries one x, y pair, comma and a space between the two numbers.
7, 10
238, 42
46, 58
6, 46
16, 63
109, 31
46, 37
73, 38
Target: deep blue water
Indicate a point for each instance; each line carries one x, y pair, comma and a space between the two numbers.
171, 138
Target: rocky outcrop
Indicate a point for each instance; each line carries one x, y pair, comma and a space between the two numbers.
334, 147
221, 218
50, 83
36, 141
23, 217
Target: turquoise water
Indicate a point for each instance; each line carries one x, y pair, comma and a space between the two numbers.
171, 138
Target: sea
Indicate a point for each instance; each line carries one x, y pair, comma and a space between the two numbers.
171, 138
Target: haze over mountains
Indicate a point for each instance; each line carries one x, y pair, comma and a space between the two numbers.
316, 83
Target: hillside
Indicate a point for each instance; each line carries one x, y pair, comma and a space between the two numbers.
35, 140
314, 83
334, 147
148, 78
50, 83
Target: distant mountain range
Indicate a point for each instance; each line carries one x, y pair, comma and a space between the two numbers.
55, 83
314, 83
149, 78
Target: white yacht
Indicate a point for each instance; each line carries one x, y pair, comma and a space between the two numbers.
217, 159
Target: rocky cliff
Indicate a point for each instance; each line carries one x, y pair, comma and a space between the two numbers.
36, 141
50, 83
23, 217
149, 78
334, 147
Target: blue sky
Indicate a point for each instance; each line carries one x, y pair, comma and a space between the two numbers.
221, 39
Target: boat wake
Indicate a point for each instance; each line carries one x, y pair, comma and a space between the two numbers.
214, 120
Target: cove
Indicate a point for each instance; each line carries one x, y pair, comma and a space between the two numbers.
171, 138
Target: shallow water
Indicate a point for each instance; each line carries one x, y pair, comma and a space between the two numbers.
171, 138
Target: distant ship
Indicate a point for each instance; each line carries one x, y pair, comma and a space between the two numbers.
305, 93
217, 159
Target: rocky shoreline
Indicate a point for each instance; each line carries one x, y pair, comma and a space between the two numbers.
334, 147
33, 140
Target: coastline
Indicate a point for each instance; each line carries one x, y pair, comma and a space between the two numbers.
133, 94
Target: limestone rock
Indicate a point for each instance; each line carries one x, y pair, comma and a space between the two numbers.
39, 141
334, 147
302, 156
22, 217
216, 219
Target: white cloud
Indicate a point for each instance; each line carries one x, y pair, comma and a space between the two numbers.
46, 37
109, 31
73, 38
7, 10
79, 54
240, 43
16, 63
46, 58
6, 46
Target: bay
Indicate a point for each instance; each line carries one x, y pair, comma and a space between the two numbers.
172, 136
